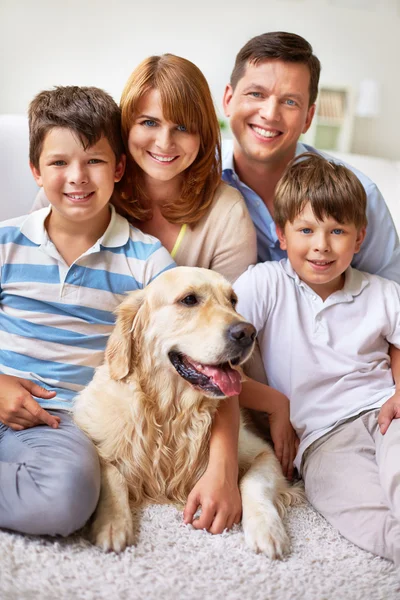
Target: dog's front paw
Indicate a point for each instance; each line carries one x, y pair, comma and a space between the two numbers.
112, 535
266, 533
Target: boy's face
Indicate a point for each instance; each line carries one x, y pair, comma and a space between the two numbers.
269, 110
78, 183
320, 251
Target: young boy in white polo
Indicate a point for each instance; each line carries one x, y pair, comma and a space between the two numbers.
64, 269
324, 331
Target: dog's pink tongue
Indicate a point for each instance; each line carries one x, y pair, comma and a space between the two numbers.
228, 380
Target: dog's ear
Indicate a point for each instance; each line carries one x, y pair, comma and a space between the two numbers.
120, 348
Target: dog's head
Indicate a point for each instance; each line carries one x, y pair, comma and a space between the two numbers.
184, 321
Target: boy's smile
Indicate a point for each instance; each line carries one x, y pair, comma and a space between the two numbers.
78, 182
320, 251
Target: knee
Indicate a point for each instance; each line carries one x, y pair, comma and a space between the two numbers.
75, 498
65, 501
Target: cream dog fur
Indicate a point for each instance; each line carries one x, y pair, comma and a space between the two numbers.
172, 356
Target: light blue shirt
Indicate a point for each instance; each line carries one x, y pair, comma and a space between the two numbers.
380, 251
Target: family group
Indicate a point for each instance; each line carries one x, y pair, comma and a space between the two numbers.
130, 191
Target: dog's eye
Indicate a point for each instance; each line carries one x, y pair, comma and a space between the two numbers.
233, 301
189, 300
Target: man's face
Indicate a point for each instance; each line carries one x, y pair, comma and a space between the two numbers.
268, 111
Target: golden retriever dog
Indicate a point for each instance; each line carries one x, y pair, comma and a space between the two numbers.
173, 355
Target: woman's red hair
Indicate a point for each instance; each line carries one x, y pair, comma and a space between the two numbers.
186, 100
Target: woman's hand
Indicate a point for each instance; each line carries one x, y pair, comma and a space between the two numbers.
217, 493
18, 409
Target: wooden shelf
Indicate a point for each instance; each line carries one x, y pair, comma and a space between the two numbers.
332, 126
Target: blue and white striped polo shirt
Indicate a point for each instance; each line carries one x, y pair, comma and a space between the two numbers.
55, 320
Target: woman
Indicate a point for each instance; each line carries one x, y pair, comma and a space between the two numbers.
173, 176
173, 190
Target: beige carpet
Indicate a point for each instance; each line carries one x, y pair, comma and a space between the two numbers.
174, 562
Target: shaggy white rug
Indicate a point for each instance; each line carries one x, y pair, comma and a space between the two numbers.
172, 561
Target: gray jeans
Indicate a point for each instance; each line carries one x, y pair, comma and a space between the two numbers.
49, 478
352, 477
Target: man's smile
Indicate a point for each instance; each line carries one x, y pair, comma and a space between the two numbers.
265, 133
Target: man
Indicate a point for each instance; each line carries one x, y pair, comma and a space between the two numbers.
270, 102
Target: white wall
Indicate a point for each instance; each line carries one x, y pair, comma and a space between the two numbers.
99, 42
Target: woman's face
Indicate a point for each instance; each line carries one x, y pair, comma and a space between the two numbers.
163, 150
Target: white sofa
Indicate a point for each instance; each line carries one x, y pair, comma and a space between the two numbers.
19, 188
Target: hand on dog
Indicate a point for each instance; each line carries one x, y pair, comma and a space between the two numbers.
284, 438
217, 493
18, 409
389, 411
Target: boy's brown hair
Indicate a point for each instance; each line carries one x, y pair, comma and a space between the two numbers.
279, 45
88, 112
186, 100
331, 188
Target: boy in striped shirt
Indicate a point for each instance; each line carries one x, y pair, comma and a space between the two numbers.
64, 269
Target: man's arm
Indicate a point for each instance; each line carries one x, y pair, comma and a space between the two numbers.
380, 251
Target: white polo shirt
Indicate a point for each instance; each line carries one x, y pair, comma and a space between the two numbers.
55, 319
329, 358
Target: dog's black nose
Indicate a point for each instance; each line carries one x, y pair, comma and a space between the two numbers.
242, 333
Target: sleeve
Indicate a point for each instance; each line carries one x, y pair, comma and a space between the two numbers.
157, 262
236, 245
253, 299
380, 251
40, 201
391, 297
254, 366
256, 291
2, 259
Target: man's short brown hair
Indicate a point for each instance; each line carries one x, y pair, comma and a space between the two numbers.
88, 112
331, 189
279, 45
